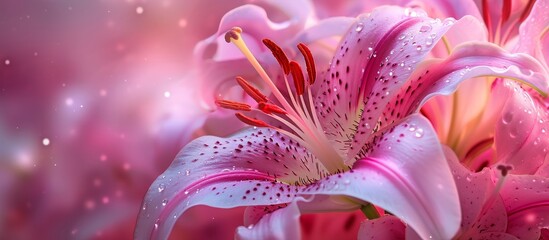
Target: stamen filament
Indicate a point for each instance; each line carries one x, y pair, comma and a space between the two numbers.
313, 110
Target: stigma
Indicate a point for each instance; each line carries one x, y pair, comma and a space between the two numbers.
293, 109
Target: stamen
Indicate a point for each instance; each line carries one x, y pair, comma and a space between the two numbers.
233, 105
233, 34
309, 61
297, 74
251, 121
279, 54
252, 91
300, 117
271, 108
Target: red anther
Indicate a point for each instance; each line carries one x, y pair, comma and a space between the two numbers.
250, 90
271, 108
309, 61
233, 105
279, 54
251, 121
506, 10
297, 74
234, 33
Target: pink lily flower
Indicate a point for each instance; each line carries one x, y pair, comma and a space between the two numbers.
347, 149
495, 205
461, 120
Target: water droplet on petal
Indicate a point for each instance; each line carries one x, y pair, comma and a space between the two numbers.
359, 27
164, 202
425, 28
419, 48
402, 36
161, 188
187, 172
419, 133
507, 118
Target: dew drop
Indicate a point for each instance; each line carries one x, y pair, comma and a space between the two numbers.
359, 27
402, 37
419, 133
187, 172
161, 188
164, 202
429, 42
448, 21
507, 118
186, 192
419, 48
425, 28
412, 128
46, 141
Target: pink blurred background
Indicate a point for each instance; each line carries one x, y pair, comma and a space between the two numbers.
96, 98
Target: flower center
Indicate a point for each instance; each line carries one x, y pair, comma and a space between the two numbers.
295, 111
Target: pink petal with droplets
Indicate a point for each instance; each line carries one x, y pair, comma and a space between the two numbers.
481, 213
386, 227
225, 173
521, 131
373, 60
467, 61
526, 199
393, 177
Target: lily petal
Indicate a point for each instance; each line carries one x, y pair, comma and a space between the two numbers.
521, 136
482, 212
386, 227
373, 60
467, 61
280, 224
238, 171
406, 174
526, 199
532, 30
